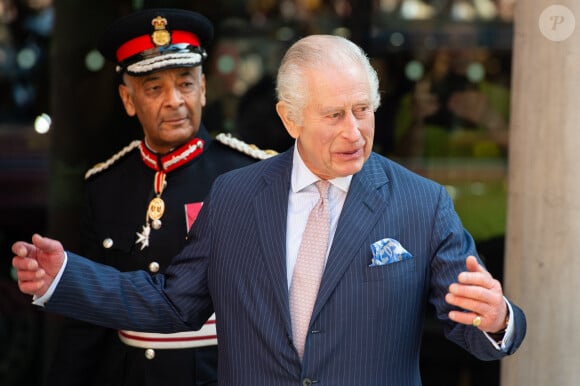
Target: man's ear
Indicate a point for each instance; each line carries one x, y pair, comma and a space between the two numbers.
125, 95
291, 127
203, 98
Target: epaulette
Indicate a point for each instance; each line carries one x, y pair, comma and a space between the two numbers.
243, 147
104, 165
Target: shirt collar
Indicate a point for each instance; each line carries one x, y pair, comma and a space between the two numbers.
303, 177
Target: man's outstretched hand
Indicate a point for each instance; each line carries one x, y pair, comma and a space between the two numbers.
37, 264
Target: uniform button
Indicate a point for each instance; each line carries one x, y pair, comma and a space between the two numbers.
107, 243
306, 382
149, 353
154, 267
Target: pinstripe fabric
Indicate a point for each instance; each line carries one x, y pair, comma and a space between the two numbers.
367, 321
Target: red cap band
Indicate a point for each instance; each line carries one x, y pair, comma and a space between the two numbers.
143, 42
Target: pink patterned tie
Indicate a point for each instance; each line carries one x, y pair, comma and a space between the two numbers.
309, 267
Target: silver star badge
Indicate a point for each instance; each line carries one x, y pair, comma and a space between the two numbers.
143, 237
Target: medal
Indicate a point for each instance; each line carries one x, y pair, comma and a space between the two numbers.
157, 205
143, 237
155, 210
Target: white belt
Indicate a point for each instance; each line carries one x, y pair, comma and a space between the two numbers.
206, 336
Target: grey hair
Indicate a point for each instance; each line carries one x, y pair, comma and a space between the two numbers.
317, 52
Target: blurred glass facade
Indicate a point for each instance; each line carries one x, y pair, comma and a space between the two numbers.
444, 66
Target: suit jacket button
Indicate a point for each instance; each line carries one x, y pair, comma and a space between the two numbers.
107, 243
154, 267
306, 382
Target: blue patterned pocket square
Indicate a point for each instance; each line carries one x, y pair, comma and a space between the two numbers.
387, 251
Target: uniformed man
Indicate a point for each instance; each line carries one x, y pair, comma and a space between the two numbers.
142, 201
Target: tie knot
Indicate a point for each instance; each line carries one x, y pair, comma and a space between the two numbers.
323, 186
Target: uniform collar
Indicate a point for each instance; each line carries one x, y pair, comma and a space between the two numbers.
175, 158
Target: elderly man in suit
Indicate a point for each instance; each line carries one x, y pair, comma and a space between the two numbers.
392, 243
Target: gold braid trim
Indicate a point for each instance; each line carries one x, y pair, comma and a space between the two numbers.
243, 147
105, 165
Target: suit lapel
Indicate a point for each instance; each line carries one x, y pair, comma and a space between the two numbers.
271, 208
365, 203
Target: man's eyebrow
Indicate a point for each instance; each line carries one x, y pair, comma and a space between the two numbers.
187, 72
149, 78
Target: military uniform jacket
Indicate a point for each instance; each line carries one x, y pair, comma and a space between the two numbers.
118, 196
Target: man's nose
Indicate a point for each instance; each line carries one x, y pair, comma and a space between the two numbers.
173, 97
351, 127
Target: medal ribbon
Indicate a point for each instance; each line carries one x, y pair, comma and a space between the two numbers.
159, 183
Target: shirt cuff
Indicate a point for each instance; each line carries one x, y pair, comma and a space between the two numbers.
508, 336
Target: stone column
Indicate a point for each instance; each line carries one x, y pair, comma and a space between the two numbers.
542, 260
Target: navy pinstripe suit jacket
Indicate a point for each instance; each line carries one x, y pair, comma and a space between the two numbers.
367, 321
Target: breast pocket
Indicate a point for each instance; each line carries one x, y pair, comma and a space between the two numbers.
394, 272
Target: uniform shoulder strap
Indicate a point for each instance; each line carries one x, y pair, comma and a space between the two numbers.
243, 147
104, 165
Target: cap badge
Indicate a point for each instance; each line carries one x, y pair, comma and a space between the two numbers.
160, 37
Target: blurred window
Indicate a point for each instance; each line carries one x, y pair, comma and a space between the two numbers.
25, 30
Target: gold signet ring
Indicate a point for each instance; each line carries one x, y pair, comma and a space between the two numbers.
476, 321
